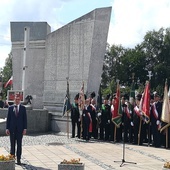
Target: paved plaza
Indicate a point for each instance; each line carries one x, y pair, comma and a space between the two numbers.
46, 151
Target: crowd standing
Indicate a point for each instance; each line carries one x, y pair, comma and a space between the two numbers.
97, 122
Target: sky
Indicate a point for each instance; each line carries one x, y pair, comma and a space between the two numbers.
130, 19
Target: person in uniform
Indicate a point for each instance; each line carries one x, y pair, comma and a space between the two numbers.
137, 118
131, 111
155, 116
75, 117
87, 121
105, 120
94, 119
126, 119
112, 125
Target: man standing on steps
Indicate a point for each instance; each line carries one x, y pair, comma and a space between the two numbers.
16, 126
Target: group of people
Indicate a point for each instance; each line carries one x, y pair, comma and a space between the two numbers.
135, 128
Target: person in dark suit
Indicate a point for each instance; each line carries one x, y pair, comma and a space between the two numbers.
87, 120
16, 126
105, 120
75, 117
155, 116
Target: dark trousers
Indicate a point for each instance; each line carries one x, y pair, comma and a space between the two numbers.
16, 138
86, 134
101, 131
112, 128
94, 128
156, 135
74, 123
107, 131
104, 131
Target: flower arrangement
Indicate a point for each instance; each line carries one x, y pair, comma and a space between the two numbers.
167, 165
7, 158
72, 161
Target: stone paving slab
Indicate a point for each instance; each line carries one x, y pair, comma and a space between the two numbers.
46, 151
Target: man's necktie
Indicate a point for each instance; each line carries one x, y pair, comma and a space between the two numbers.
16, 110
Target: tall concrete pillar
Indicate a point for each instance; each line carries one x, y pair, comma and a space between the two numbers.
76, 51
35, 59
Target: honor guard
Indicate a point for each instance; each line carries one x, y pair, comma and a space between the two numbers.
75, 117
105, 120
155, 116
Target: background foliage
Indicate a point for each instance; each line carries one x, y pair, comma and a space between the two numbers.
152, 54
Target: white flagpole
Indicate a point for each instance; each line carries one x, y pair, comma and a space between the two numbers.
26, 43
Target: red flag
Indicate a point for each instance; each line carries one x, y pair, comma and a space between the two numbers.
116, 115
9, 82
145, 102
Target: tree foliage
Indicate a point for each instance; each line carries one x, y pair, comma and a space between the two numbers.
6, 74
153, 54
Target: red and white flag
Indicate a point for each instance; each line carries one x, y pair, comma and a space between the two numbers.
145, 102
81, 99
9, 82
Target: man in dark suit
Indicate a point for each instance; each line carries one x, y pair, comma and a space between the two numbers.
155, 116
16, 126
75, 117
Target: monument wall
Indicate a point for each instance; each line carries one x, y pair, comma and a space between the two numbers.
75, 51
35, 58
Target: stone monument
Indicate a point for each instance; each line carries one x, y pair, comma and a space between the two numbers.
75, 51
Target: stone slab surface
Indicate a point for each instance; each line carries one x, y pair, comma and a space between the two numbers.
46, 151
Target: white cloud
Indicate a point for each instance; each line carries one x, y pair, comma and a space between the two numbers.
131, 20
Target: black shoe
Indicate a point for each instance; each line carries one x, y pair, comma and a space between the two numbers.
18, 162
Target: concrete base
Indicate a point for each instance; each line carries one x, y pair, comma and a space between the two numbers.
41, 121
60, 123
38, 121
2, 127
71, 166
7, 165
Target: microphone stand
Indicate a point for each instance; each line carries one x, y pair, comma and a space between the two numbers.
123, 159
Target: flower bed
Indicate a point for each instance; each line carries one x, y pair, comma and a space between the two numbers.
7, 162
166, 165
73, 164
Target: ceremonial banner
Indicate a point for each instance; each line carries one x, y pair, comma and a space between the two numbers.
145, 102
117, 112
81, 99
67, 104
165, 117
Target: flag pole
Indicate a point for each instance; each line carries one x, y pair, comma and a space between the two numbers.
139, 130
167, 137
26, 42
149, 124
115, 133
66, 108
81, 107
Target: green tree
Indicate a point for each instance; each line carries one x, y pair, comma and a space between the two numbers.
153, 54
6, 73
